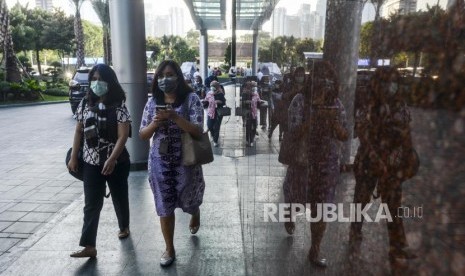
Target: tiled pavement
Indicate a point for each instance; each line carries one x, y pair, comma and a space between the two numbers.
233, 239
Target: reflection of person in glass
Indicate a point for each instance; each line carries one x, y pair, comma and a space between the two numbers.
382, 126
319, 118
173, 109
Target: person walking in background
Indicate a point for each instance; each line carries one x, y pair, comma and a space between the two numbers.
259, 75
317, 116
384, 156
104, 122
250, 101
292, 85
215, 98
198, 87
173, 109
277, 109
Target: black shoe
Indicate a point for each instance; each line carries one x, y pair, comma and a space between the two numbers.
316, 261
290, 227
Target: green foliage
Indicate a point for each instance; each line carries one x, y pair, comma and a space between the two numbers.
193, 38
176, 48
92, 39
4, 86
39, 29
33, 85
365, 40
288, 51
59, 33
152, 44
57, 91
55, 64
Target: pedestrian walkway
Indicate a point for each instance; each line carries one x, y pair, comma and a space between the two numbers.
234, 239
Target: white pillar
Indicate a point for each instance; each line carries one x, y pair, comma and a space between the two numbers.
203, 50
129, 63
254, 52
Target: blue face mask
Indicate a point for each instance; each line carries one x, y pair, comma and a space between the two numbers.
168, 84
99, 88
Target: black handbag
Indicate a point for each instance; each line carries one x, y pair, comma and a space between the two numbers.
223, 111
78, 174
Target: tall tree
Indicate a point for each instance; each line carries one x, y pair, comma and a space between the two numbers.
92, 39
374, 55
59, 33
102, 9
193, 38
12, 72
151, 44
79, 33
28, 31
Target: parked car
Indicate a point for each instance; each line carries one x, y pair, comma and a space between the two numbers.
78, 86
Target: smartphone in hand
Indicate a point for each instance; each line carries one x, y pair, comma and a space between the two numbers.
160, 107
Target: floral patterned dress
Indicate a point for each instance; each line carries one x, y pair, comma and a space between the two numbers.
174, 185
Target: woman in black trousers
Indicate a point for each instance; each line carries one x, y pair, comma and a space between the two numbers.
103, 126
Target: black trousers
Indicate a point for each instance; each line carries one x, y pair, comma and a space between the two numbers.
94, 192
263, 115
214, 126
391, 194
250, 128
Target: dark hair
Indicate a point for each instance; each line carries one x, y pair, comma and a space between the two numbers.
115, 95
324, 69
297, 70
200, 78
383, 74
182, 89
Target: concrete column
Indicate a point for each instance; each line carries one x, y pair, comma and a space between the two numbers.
129, 63
254, 52
342, 38
203, 50
233, 39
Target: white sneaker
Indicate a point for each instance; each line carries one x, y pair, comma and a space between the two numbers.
215, 144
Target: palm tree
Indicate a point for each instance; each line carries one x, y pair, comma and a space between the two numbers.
102, 9
12, 71
79, 33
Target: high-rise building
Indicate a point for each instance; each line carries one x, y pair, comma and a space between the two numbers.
177, 21
292, 26
318, 27
305, 21
45, 4
149, 9
278, 21
398, 6
162, 26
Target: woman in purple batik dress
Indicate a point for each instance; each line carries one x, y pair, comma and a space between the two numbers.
173, 109
318, 116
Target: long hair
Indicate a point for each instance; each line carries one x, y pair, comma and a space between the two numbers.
182, 89
381, 76
115, 95
323, 70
